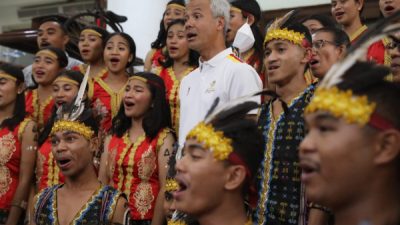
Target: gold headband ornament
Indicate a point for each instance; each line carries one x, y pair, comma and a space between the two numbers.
284, 34
220, 145
47, 53
176, 6
236, 9
7, 76
91, 31
74, 126
67, 80
342, 104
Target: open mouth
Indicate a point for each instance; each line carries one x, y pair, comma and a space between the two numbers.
85, 51
44, 44
314, 62
128, 104
191, 36
63, 163
172, 49
272, 67
60, 102
39, 72
339, 14
389, 8
114, 60
308, 169
183, 186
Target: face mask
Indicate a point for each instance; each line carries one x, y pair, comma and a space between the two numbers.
244, 38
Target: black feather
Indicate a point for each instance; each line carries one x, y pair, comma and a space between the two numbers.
213, 106
238, 111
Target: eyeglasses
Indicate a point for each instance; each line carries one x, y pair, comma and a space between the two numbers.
393, 45
321, 43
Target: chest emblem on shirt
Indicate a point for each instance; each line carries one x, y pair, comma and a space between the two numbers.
211, 88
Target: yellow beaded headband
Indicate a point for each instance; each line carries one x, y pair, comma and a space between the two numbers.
74, 126
47, 53
7, 76
171, 185
285, 34
91, 31
342, 104
214, 140
176, 222
177, 6
66, 79
236, 9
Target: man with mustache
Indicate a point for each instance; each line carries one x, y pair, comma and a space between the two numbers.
51, 32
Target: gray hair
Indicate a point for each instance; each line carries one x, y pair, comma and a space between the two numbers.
220, 8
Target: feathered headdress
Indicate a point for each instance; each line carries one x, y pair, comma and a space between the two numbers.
282, 28
68, 115
334, 93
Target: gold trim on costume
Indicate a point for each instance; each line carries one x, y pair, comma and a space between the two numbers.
177, 6
47, 53
7, 76
342, 104
91, 31
176, 222
66, 79
357, 33
214, 140
236, 9
171, 185
284, 34
80, 128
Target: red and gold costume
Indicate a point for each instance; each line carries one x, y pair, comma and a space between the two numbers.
376, 52
157, 56
38, 112
83, 67
172, 84
10, 159
47, 171
134, 171
104, 101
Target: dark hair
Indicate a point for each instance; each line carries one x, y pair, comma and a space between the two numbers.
73, 75
162, 33
339, 36
156, 118
19, 108
57, 19
62, 58
248, 7
131, 43
104, 33
324, 20
193, 55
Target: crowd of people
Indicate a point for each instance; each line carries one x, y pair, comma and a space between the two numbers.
227, 124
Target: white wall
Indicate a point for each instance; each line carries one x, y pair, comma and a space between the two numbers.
143, 20
284, 4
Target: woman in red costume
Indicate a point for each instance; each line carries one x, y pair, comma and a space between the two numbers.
91, 46
17, 145
106, 92
39, 102
135, 157
65, 88
347, 13
179, 62
175, 9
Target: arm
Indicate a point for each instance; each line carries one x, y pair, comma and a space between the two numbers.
31, 220
163, 157
147, 61
104, 176
27, 164
120, 210
318, 217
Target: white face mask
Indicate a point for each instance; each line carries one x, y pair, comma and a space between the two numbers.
244, 38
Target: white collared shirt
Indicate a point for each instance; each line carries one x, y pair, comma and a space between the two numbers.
223, 76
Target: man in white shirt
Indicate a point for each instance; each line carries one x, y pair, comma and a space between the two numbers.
50, 33
220, 73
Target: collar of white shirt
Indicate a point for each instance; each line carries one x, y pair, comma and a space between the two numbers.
214, 61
